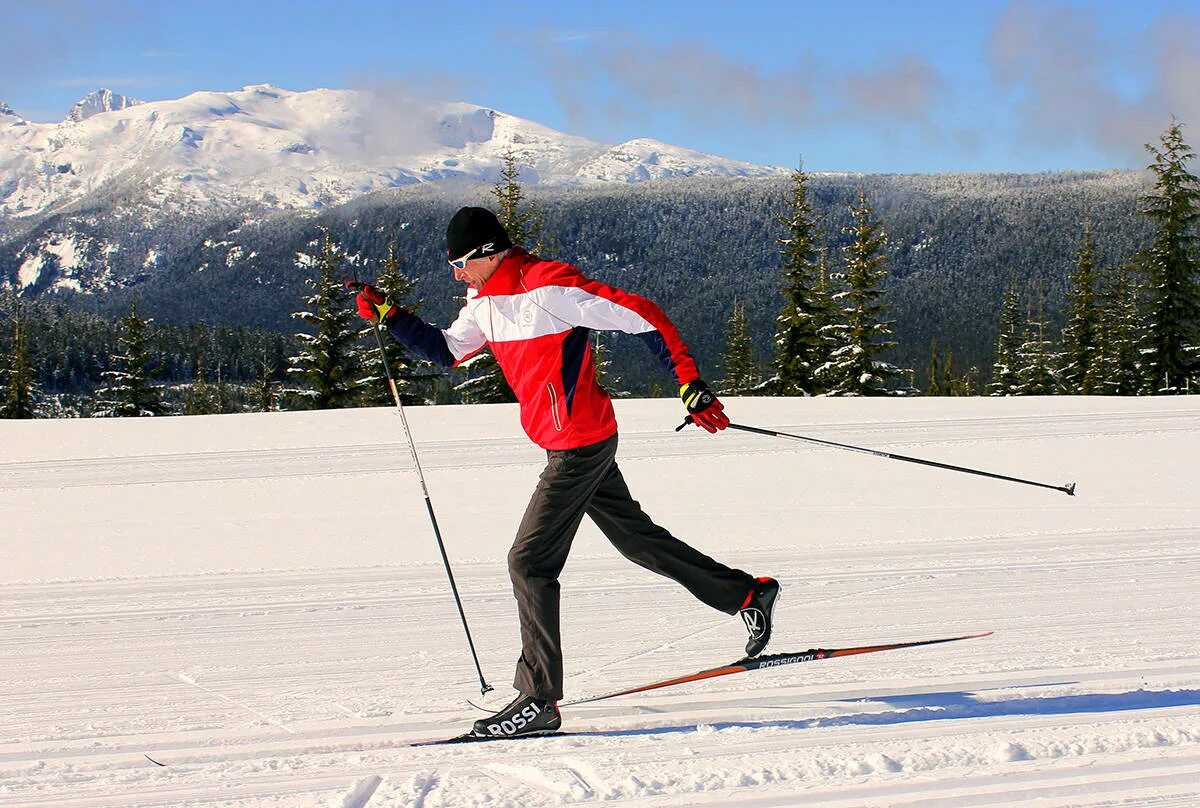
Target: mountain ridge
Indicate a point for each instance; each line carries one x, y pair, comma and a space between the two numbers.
266, 146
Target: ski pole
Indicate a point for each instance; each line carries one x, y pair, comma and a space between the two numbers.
1068, 489
484, 687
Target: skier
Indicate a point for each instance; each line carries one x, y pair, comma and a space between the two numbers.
536, 315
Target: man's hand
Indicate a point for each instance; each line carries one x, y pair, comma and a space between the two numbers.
373, 305
706, 410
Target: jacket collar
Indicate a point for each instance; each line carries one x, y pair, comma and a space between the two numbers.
511, 265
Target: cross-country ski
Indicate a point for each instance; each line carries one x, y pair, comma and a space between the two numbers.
772, 661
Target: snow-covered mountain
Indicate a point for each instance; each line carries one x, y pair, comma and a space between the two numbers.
268, 146
103, 100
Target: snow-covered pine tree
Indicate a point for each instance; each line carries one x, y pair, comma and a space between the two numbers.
1116, 371
328, 370
1005, 381
415, 377
1036, 358
523, 221
1080, 336
1173, 265
859, 334
128, 391
20, 392
485, 382
740, 370
799, 345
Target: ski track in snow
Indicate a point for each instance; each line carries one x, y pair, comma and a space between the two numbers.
275, 675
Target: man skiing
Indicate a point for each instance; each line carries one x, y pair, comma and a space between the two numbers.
536, 316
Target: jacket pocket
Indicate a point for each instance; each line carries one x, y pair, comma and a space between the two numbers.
554, 404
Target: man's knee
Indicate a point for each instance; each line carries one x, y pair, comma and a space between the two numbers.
525, 565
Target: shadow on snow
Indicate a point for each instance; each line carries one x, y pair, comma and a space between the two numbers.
951, 706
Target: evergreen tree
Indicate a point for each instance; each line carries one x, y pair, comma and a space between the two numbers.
413, 375
935, 373
1005, 381
329, 366
485, 382
263, 390
942, 379
523, 221
860, 335
1080, 337
19, 400
128, 391
201, 397
1116, 371
739, 368
1173, 264
800, 347
1035, 373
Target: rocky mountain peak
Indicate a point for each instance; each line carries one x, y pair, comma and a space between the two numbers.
102, 100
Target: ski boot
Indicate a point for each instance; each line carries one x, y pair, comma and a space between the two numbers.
525, 715
757, 612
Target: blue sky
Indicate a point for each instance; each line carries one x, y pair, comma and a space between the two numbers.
901, 86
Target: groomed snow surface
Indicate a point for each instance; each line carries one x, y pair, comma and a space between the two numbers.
256, 602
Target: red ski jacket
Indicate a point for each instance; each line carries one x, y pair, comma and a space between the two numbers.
536, 316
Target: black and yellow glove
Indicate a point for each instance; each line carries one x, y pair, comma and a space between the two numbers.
706, 410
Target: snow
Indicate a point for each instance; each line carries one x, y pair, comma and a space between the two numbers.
30, 270
257, 602
68, 251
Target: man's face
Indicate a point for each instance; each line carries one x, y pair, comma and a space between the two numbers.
476, 271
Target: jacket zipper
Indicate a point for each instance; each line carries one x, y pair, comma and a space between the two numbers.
554, 407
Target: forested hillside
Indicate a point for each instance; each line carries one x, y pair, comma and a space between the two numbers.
954, 242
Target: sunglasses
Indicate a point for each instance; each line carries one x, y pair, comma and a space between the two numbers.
461, 263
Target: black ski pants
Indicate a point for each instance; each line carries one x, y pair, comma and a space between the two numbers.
587, 480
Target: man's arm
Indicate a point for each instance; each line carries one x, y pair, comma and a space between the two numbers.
576, 299
444, 347
582, 301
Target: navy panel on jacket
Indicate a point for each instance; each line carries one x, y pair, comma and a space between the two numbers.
574, 349
421, 338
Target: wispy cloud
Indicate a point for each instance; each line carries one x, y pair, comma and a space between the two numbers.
1071, 83
394, 119
621, 77
904, 89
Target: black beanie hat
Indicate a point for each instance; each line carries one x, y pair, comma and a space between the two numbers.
475, 229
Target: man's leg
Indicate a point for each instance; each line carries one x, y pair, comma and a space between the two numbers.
626, 525
537, 557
